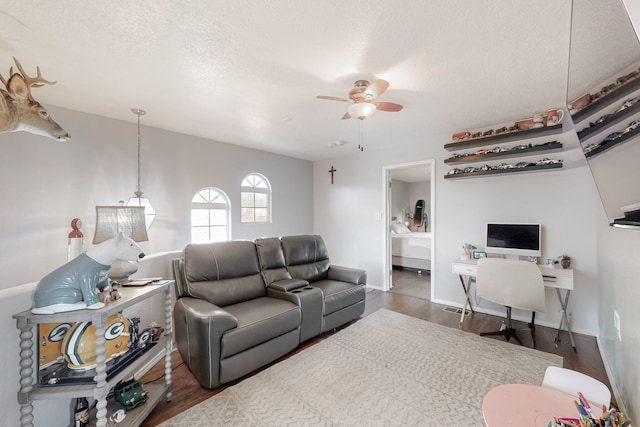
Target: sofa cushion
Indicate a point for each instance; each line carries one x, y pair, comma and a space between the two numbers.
306, 257
271, 260
338, 295
259, 320
223, 273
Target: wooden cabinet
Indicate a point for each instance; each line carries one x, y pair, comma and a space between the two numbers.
528, 147
31, 390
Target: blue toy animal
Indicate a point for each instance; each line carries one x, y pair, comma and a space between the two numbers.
73, 285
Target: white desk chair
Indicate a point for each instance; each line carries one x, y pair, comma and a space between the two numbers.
572, 382
512, 283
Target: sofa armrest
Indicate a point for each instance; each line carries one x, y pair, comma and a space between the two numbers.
287, 285
347, 274
199, 327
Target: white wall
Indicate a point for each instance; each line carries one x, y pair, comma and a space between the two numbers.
44, 184
619, 290
400, 205
563, 201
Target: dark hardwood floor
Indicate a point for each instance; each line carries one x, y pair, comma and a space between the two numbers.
187, 392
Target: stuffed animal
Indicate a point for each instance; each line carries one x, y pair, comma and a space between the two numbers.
73, 285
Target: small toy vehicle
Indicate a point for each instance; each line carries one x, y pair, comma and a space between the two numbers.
633, 125
612, 137
504, 166
524, 164
601, 119
497, 150
589, 148
130, 394
521, 147
628, 103
544, 161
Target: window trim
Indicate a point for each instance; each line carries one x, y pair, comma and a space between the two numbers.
256, 190
212, 205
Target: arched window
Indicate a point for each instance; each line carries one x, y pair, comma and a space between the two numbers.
210, 214
255, 199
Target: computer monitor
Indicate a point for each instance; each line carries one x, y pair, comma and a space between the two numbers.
514, 239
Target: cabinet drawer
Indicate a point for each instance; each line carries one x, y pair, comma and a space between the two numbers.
467, 270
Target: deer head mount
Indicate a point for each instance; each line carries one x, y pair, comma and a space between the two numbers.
18, 109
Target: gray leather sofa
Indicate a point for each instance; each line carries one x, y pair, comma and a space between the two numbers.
241, 305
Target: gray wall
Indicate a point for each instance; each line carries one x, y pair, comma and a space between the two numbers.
44, 184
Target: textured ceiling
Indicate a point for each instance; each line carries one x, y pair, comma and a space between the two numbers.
248, 72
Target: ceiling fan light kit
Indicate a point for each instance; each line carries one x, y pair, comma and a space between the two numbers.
361, 110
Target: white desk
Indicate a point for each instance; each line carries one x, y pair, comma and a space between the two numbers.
557, 278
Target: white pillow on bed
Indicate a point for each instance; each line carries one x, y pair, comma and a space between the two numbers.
399, 227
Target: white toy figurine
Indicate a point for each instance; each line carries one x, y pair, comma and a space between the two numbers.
73, 285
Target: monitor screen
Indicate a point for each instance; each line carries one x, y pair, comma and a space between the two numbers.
514, 239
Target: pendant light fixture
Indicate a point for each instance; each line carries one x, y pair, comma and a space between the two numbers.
138, 200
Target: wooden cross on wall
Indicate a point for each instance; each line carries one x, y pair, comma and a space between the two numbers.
332, 171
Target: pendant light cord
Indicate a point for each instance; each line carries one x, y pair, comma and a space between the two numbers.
139, 113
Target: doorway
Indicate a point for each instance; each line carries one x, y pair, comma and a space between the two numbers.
409, 238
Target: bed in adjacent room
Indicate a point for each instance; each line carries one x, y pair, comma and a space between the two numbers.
410, 249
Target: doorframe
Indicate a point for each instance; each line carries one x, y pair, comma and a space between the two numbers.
386, 221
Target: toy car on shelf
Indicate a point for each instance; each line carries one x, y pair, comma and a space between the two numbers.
589, 148
612, 137
498, 150
503, 166
633, 125
524, 164
628, 103
521, 147
130, 394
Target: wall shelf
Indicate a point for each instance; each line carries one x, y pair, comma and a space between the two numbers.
504, 137
585, 133
616, 142
613, 96
555, 146
503, 171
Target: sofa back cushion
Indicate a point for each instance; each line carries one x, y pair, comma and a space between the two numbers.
306, 257
223, 273
271, 258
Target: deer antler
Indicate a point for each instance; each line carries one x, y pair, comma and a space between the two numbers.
37, 81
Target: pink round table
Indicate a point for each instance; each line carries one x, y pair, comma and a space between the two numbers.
525, 405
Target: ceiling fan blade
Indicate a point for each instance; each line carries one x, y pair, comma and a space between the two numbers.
376, 89
334, 98
388, 106
346, 116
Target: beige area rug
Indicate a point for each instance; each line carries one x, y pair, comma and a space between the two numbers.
387, 369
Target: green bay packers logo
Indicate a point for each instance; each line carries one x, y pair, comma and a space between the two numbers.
51, 336
79, 344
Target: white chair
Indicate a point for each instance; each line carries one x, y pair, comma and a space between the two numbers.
572, 382
514, 284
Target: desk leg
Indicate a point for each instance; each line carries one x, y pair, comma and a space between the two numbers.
466, 287
565, 319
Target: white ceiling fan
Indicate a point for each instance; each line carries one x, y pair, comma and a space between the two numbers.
362, 99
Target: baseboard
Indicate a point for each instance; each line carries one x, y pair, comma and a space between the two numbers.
611, 377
